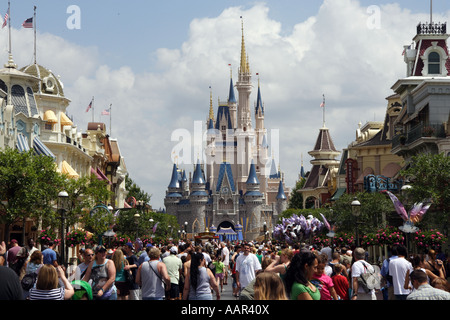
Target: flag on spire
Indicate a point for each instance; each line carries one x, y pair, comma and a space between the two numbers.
5, 19
89, 106
28, 23
106, 112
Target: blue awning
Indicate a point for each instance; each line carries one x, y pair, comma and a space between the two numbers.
22, 143
41, 149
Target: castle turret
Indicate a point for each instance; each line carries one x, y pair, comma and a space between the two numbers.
197, 199
253, 201
174, 192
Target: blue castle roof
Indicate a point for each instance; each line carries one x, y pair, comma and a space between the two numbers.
225, 168
174, 181
281, 194
252, 178
231, 97
198, 175
259, 102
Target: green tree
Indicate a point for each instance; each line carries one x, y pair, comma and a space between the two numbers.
429, 175
85, 194
135, 191
29, 186
296, 198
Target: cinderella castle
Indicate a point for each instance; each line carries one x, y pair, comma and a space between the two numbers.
238, 191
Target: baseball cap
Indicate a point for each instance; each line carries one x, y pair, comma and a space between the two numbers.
100, 249
129, 245
174, 249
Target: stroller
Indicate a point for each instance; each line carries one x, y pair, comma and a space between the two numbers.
83, 290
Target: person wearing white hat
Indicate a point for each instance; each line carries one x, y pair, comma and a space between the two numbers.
174, 267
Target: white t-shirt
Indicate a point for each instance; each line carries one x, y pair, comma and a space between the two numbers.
247, 265
358, 269
397, 269
225, 256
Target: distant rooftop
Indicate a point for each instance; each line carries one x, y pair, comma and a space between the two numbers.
432, 28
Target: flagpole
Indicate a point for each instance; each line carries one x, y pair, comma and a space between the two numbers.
34, 22
323, 110
110, 111
92, 108
9, 27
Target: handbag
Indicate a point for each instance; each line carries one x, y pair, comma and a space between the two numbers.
370, 279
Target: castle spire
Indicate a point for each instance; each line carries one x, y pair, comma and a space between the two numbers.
211, 110
244, 67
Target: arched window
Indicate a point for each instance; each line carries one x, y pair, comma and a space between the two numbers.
18, 99
434, 63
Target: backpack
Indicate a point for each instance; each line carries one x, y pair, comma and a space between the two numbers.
28, 281
370, 280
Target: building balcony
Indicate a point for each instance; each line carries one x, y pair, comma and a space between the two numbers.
418, 135
59, 137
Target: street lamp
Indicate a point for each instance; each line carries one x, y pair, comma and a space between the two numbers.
356, 212
63, 199
265, 231
185, 228
136, 220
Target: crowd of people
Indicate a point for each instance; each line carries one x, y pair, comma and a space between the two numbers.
199, 271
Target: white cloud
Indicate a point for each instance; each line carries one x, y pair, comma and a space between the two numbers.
333, 53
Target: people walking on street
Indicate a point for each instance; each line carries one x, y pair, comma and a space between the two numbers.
47, 285
174, 267
340, 282
397, 269
423, 290
123, 288
299, 276
247, 267
152, 276
199, 280
80, 270
49, 254
359, 267
323, 281
225, 254
133, 266
269, 286
219, 273
102, 272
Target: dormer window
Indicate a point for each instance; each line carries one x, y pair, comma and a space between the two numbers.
434, 63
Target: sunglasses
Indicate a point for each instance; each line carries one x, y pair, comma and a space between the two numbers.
89, 254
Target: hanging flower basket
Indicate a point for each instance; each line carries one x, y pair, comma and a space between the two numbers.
47, 235
343, 240
370, 239
76, 237
430, 239
322, 241
390, 236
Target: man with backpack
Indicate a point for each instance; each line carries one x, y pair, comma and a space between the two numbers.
359, 267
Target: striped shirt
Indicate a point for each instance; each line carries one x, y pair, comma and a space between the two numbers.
427, 292
53, 294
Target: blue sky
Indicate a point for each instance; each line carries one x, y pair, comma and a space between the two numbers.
154, 61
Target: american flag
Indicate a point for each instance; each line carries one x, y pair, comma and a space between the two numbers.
28, 23
5, 19
106, 112
89, 106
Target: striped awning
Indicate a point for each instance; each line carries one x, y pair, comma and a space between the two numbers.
50, 116
41, 149
65, 121
22, 143
68, 170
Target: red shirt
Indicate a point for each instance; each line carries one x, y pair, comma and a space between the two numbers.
341, 286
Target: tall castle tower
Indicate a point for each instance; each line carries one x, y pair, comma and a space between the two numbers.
232, 187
